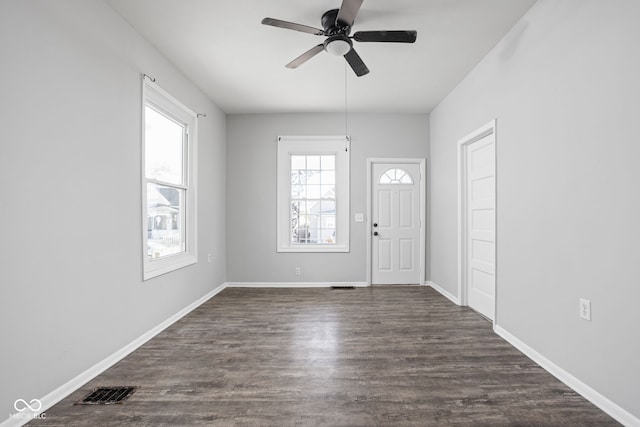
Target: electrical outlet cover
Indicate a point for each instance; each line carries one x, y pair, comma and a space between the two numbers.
585, 309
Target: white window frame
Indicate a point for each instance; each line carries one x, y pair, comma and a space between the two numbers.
313, 145
162, 101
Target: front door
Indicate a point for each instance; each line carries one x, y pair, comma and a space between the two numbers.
395, 223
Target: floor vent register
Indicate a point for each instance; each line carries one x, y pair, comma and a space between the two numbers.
107, 396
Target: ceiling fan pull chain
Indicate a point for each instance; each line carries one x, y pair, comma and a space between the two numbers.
346, 123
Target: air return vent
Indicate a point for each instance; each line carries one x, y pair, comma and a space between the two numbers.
107, 396
341, 288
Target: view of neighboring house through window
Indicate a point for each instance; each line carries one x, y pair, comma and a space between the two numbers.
313, 199
313, 194
164, 147
168, 187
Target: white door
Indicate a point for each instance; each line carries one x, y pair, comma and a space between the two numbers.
395, 223
481, 220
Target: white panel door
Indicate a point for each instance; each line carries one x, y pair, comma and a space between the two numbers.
481, 220
395, 224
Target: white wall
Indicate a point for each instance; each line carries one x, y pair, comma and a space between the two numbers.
564, 86
70, 212
251, 190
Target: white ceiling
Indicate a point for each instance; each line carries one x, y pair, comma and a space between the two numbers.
240, 63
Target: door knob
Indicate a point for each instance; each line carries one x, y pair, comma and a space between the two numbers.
375, 224
375, 233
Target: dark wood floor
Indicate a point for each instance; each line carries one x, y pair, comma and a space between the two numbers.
365, 357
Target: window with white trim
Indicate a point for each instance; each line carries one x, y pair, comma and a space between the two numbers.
168, 184
313, 194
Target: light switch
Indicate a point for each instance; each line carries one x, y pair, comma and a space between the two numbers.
359, 217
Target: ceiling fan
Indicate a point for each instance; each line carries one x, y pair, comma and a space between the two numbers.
336, 24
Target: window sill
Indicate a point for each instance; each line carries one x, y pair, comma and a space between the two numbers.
159, 267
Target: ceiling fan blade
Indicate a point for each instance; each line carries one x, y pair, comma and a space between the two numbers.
306, 56
348, 11
386, 36
356, 63
292, 26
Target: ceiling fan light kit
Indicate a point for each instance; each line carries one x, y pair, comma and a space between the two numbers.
338, 45
337, 25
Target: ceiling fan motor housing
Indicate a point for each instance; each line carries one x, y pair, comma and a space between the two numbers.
332, 26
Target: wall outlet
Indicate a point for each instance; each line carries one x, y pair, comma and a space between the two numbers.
359, 217
209, 258
585, 309
297, 271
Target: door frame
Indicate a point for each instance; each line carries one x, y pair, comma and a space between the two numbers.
423, 203
478, 134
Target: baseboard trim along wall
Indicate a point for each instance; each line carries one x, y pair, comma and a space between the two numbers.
615, 411
292, 284
444, 292
75, 383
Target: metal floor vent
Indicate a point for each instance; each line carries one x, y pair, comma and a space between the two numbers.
107, 396
338, 287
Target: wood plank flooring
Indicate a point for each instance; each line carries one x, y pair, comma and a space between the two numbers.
378, 356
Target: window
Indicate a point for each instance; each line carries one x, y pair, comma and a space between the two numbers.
168, 187
313, 194
395, 176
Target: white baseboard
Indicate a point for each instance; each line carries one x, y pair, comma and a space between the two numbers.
292, 284
74, 384
619, 414
444, 292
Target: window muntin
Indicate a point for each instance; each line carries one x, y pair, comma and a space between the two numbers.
169, 192
395, 176
313, 194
